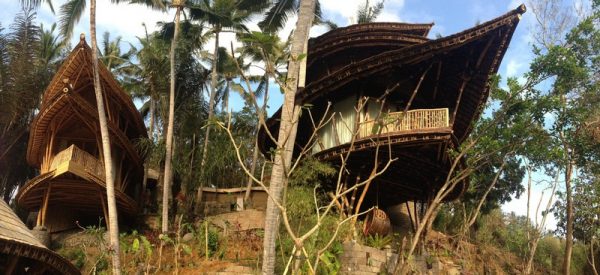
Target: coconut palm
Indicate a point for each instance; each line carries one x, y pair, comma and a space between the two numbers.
227, 68
115, 61
37, 3
287, 134
222, 15
70, 13
367, 13
270, 50
278, 13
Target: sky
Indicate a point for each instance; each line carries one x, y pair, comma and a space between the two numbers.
449, 17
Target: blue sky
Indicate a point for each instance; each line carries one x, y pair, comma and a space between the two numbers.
449, 17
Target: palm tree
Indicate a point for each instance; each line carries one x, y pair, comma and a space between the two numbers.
367, 13
222, 15
70, 14
278, 13
148, 81
21, 78
178, 5
287, 133
269, 49
116, 62
37, 3
228, 70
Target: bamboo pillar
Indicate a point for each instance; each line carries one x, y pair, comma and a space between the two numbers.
44, 208
104, 209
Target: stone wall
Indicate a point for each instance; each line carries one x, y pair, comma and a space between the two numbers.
363, 260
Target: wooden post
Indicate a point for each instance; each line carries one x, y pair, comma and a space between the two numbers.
104, 210
38, 221
45, 204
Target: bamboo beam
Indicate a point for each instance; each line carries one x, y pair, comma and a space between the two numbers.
437, 80
484, 52
38, 221
457, 105
45, 204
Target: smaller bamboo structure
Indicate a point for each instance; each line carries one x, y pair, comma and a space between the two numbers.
65, 144
22, 253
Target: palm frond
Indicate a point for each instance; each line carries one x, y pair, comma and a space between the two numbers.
277, 15
37, 4
70, 14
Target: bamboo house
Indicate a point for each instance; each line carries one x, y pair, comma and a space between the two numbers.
420, 98
65, 145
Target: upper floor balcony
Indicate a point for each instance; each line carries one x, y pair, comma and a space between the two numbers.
78, 162
344, 126
401, 122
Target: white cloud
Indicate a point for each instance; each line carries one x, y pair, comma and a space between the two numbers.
519, 206
514, 67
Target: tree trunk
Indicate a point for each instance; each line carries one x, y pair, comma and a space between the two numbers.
211, 108
255, 153
226, 97
287, 134
146, 164
113, 223
566, 268
169, 141
592, 257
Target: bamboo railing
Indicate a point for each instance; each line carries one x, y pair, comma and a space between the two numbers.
82, 158
400, 122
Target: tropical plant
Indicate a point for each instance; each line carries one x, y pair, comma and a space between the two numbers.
222, 15
367, 13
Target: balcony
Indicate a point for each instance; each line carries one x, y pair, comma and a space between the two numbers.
78, 162
340, 131
399, 122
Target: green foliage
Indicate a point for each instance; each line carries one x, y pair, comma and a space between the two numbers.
137, 245
367, 13
213, 239
76, 256
301, 212
329, 260
378, 241
506, 231
312, 172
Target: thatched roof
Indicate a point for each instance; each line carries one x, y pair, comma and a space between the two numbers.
71, 93
17, 242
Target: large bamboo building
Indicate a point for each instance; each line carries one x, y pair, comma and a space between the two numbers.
65, 145
442, 84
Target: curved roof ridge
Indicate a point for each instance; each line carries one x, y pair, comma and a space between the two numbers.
444, 42
407, 28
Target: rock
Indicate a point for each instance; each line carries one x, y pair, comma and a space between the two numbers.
187, 237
